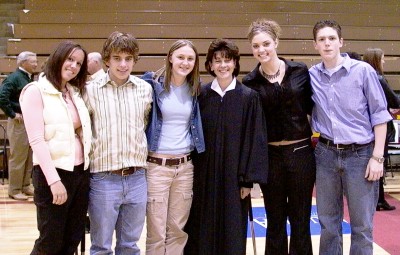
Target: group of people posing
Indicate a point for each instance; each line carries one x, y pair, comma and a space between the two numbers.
186, 154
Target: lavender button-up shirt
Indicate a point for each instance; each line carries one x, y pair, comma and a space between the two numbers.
349, 103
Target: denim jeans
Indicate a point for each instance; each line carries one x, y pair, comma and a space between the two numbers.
117, 203
288, 196
170, 192
341, 171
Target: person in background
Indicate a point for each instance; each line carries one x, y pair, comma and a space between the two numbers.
119, 104
58, 126
376, 58
236, 156
20, 159
285, 91
174, 131
350, 114
354, 55
95, 66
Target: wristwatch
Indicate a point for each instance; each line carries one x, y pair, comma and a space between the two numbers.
379, 159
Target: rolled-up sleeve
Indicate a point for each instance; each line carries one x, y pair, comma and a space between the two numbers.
375, 95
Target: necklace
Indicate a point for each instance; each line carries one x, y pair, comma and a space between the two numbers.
272, 76
64, 94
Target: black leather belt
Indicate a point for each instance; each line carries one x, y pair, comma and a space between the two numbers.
330, 143
126, 171
169, 161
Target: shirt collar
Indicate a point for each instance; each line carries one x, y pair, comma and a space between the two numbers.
96, 75
23, 70
215, 86
346, 64
109, 81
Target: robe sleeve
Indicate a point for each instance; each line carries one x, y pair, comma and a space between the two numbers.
253, 166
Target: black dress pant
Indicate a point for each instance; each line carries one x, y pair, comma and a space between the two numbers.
288, 196
61, 227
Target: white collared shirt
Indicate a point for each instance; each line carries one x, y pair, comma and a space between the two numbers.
22, 69
215, 86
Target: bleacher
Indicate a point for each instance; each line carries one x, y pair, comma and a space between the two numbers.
158, 23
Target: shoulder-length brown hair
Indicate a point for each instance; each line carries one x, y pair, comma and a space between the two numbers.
56, 60
193, 77
228, 50
373, 56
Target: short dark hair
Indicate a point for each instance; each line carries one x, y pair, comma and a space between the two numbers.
56, 60
228, 49
354, 55
120, 42
327, 23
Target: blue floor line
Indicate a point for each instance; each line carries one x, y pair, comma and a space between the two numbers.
261, 225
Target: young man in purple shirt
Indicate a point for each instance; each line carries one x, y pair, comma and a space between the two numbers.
350, 114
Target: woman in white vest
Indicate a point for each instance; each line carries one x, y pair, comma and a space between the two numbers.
58, 127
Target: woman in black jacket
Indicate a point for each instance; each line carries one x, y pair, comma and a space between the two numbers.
375, 57
285, 91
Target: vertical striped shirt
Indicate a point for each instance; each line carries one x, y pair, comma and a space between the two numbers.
119, 117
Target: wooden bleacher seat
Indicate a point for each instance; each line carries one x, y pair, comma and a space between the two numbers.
304, 32
157, 24
222, 17
161, 46
310, 6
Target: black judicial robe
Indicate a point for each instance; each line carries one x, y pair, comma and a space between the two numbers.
236, 155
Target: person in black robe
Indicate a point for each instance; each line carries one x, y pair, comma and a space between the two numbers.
236, 156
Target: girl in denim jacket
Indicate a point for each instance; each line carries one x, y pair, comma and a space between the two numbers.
173, 133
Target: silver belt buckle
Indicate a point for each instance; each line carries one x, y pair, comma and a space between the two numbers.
338, 147
123, 171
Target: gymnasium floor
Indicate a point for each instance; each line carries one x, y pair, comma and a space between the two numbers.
18, 225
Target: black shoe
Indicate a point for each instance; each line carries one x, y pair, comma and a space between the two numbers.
385, 206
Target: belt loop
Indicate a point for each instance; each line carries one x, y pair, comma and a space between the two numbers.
163, 161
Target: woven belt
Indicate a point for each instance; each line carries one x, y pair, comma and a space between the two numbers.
168, 161
330, 143
126, 171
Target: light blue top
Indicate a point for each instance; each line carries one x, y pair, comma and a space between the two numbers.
156, 118
348, 102
176, 107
